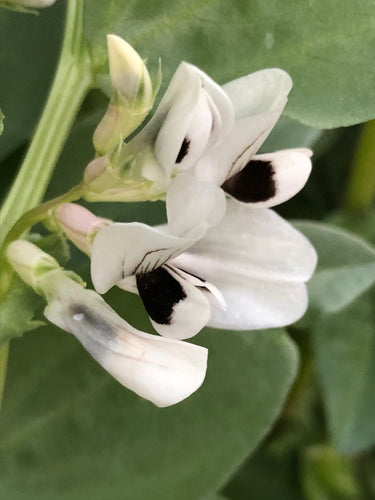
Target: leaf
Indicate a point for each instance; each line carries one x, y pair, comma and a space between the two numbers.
290, 134
29, 47
18, 310
266, 476
65, 421
344, 345
346, 266
326, 47
326, 475
21, 304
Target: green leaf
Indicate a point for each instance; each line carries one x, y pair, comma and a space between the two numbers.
65, 421
346, 266
290, 134
344, 344
266, 476
326, 475
29, 48
327, 47
21, 304
18, 310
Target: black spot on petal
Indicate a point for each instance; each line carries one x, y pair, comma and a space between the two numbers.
159, 292
254, 183
184, 150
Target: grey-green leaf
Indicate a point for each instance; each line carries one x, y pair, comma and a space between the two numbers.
71, 432
328, 48
346, 266
344, 345
18, 311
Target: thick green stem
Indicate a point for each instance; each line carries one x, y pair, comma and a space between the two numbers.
72, 81
360, 192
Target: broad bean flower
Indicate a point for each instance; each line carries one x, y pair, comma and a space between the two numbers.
222, 245
164, 371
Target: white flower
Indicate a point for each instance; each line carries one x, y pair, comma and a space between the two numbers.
164, 371
247, 272
214, 132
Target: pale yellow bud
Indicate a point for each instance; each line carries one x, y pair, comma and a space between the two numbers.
132, 99
30, 262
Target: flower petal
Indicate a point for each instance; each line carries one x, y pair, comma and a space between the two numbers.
270, 179
237, 148
193, 113
193, 206
254, 304
258, 100
256, 243
177, 308
259, 92
164, 371
123, 249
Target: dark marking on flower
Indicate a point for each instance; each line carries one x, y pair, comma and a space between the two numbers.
177, 269
254, 183
160, 292
183, 150
141, 263
85, 318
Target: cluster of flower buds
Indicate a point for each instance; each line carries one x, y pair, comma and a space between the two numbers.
223, 259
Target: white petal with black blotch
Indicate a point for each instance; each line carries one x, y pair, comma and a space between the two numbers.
164, 371
193, 114
176, 306
123, 249
270, 179
237, 148
259, 262
258, 100
193, 205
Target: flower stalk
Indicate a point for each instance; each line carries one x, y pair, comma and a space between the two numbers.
72, 81
360, 193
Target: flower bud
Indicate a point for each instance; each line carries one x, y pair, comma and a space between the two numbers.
125, 175
79, 224
132, 99
30, 262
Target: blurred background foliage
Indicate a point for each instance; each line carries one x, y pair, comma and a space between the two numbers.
283, 414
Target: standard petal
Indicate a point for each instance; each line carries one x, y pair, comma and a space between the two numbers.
193, 206
177, 308
270, 179
259, 92
162, 370
253, 243
121, 250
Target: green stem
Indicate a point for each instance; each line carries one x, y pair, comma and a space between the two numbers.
40, 213
360, 192
72, 81
4, 351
